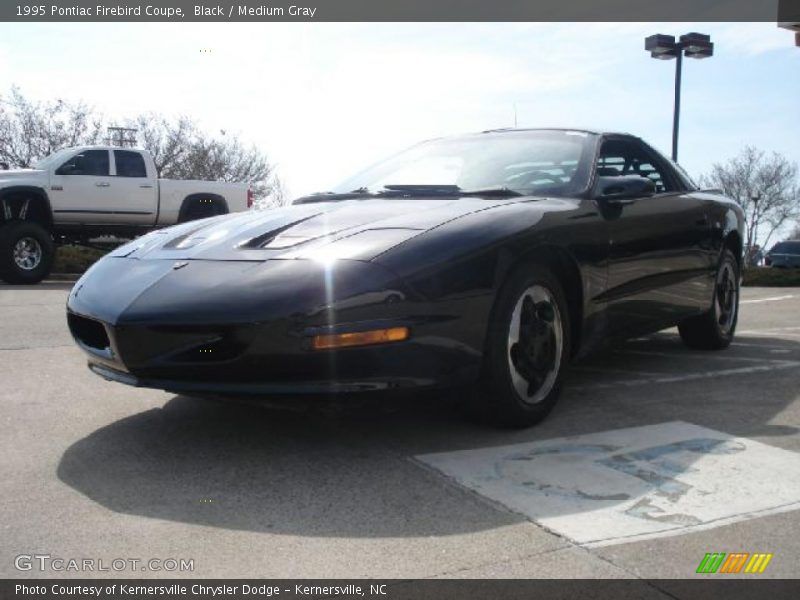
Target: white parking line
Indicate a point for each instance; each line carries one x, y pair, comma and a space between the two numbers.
611, 370
693, 355
774, 334
772, 365
618, 486
772, 299
763, 346
767, 331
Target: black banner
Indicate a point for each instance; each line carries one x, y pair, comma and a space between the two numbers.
727, 587
401, 10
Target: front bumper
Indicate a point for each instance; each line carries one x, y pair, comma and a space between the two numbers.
260, 388
244, 328
256, 359
783, 261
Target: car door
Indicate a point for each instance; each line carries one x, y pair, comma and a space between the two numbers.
80, 187
660, 255
134, 196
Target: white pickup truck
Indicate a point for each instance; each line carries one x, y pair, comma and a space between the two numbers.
81, 193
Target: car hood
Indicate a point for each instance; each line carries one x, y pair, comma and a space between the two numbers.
357, 229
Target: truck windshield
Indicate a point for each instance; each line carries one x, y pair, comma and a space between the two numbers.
53, 159
539, 162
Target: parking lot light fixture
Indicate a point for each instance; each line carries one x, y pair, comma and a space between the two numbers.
697, 45
665, 47
660, 46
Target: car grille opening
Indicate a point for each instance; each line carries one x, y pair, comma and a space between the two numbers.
89, 332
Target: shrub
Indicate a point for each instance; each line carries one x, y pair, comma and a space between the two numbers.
75, 259
770, 277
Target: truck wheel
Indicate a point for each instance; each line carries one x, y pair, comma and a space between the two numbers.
26, 252
714, 329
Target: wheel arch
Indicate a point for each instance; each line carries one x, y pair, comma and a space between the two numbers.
194, 199
13, 205
733, 242
566, 269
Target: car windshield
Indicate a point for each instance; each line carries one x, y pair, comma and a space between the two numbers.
786, 248
52, 159
546, 162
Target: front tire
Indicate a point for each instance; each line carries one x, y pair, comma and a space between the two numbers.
528, 348
714, 330
26, 252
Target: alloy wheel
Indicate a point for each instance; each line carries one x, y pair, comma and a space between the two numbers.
28, 253
726, 299
535, 344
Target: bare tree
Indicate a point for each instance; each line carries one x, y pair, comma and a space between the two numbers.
167, 141
32, 130
765, 186
278, 195
794, 234
181, 150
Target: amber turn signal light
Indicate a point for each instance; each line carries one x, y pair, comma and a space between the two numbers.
361, 338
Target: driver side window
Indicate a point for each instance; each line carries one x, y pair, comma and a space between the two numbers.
88, 162
621, 157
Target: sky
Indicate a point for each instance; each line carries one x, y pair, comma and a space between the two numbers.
324, 100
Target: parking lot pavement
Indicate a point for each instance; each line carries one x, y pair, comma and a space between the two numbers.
655, 456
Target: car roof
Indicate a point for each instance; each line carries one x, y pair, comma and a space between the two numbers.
513, 130
591, 131
106, 147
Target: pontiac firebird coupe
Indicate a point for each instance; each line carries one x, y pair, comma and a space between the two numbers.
489, 259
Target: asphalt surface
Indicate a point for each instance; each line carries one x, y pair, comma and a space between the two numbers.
93, 469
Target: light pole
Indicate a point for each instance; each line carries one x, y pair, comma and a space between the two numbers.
664, 47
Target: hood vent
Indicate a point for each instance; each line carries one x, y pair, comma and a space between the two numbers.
265, 240
182, 240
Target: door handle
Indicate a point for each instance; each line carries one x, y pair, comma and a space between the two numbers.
147, 187
102, 184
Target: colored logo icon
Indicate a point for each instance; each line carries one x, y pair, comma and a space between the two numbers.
734, 562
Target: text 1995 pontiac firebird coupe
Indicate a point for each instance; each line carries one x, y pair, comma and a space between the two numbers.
489, 259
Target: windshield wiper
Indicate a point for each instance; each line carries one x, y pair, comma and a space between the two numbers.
498, 192
408, 190
334, 196
448, 190
452, 190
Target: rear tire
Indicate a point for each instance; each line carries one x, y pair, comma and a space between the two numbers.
528, 348
714, 330
26, 252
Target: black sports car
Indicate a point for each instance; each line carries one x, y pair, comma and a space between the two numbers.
491, 258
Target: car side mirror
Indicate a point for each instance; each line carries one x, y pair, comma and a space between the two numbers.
68, 169
623, 187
